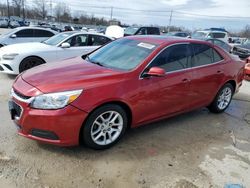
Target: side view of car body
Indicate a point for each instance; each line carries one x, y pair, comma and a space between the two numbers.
126, 83
221, 35
142, 31
243, 50
17, 58
25, 34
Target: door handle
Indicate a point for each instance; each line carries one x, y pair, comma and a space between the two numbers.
219, 72
185, 80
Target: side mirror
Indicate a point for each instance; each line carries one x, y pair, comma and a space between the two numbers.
155, 71
65, 45
13, 36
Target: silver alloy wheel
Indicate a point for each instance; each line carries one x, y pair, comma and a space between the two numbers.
107, 127
224, 98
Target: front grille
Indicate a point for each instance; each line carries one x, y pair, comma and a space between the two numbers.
18, 109
21, 95
1, 68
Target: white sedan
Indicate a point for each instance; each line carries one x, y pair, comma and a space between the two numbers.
25, 34
17, 58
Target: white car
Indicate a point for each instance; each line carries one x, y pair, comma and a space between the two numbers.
25, 34
17, 58
221, 35
4, 23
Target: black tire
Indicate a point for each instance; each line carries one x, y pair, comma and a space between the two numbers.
29, 63
214, 107
90, 125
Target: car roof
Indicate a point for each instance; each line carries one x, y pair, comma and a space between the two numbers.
164, 40
211, 31
84, 32
35, 27
177, 32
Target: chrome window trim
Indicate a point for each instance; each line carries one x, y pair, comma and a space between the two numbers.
189, 68
14, 95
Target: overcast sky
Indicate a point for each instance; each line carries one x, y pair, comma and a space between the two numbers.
213, 8
228, 8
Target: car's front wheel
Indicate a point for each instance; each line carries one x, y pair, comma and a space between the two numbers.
222, 99
29, 63
105, 127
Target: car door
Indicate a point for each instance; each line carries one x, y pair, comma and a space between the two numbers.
41, 35
169, 94
78, 46
24, 35
207, 74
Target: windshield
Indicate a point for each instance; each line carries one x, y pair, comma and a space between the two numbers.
247, 42
123, 54
130, 30
199, 35
53, 41
170, 34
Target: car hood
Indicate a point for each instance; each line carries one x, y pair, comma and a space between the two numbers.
69, 75
26, 47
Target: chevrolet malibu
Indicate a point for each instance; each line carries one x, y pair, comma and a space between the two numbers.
129, 82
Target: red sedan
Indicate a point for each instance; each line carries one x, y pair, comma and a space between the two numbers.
127, 83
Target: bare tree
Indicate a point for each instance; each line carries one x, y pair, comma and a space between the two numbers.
246, 32
18, 4
62, 12
41, 8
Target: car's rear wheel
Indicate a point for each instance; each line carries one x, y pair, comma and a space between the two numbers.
105, 127
222, 99
29, 63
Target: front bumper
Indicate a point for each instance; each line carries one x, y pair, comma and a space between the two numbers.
9, 67
59, 127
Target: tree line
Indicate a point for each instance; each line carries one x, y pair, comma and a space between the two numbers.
43, 10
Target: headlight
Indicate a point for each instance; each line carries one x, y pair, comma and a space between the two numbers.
54, 101
9, 56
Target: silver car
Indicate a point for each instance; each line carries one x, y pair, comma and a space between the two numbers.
25, 34
4, 22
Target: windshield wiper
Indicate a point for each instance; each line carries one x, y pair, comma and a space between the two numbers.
97, 63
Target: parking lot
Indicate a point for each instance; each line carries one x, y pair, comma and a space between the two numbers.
197, 149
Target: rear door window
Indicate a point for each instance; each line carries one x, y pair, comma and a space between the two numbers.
218, 35
153, 31
25, 33
96, 40
204, 55
42, 33
174, 58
